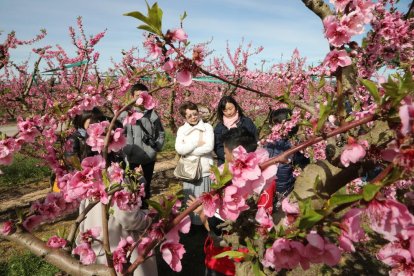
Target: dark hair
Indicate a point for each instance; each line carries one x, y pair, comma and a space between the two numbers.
239, 136
138, 87
79, 120
95, 115
282, 114
222, 105
187, 105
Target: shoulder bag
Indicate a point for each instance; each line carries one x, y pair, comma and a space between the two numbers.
189, 168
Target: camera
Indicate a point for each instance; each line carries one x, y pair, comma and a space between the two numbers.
150, 141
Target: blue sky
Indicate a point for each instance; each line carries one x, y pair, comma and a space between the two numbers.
279, 26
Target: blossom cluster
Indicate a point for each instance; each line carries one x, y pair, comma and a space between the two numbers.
247, 179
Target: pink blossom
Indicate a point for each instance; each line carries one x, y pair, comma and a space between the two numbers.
351, 230
168, 66
172, 253
146, 100
210, 203
78, 186
264, 219
56, 242
319, 250
388, 217
7, 228
90, 234
124, 84
336, 33
7, 148
353, 151
233, 203
183, 227
119, 259
399, 257
354, 21
115, 173
28, 129
337, 58
96, 135
340, 4
198, 54
32, 222
286, 254
85, 252
145, 242
245, 166
94, 163
126, 201
154, 50
184, 77
291, 210
132, 118
179, 35
118, 140
406, 113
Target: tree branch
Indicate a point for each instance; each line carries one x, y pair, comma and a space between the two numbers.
319, 7
56, 257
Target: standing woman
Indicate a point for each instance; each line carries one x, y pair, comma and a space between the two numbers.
195, 139
230, 115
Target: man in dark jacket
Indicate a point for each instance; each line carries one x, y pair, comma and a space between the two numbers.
144, 139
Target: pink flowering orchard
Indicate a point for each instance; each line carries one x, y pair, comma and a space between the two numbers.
355, 125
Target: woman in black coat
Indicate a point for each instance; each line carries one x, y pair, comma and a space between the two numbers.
230, 115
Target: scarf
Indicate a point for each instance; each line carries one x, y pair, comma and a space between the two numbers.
231, 122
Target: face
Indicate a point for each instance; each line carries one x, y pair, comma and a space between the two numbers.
87, 123
228, 154
136, 94
229, 110
192, 116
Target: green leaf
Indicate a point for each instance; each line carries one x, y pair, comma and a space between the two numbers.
155, 15
372, 88
256, 269
309, 217
337, 200
156, 206
370, 190
148, 28
138, 15
250, 245
231, 254
105, 179
182, 17
226, 175
321, 82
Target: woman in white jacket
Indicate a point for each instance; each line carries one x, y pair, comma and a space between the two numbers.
195, 139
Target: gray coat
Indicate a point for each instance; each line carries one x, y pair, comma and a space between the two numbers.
136, 151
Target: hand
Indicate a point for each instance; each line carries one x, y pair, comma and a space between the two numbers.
191, 201
138, 170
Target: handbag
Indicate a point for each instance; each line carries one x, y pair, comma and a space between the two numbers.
189, 168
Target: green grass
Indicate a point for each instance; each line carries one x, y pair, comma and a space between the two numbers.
169, 144
26, 264
23, 170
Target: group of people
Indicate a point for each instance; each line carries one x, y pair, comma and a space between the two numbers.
198, 139
195, 138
